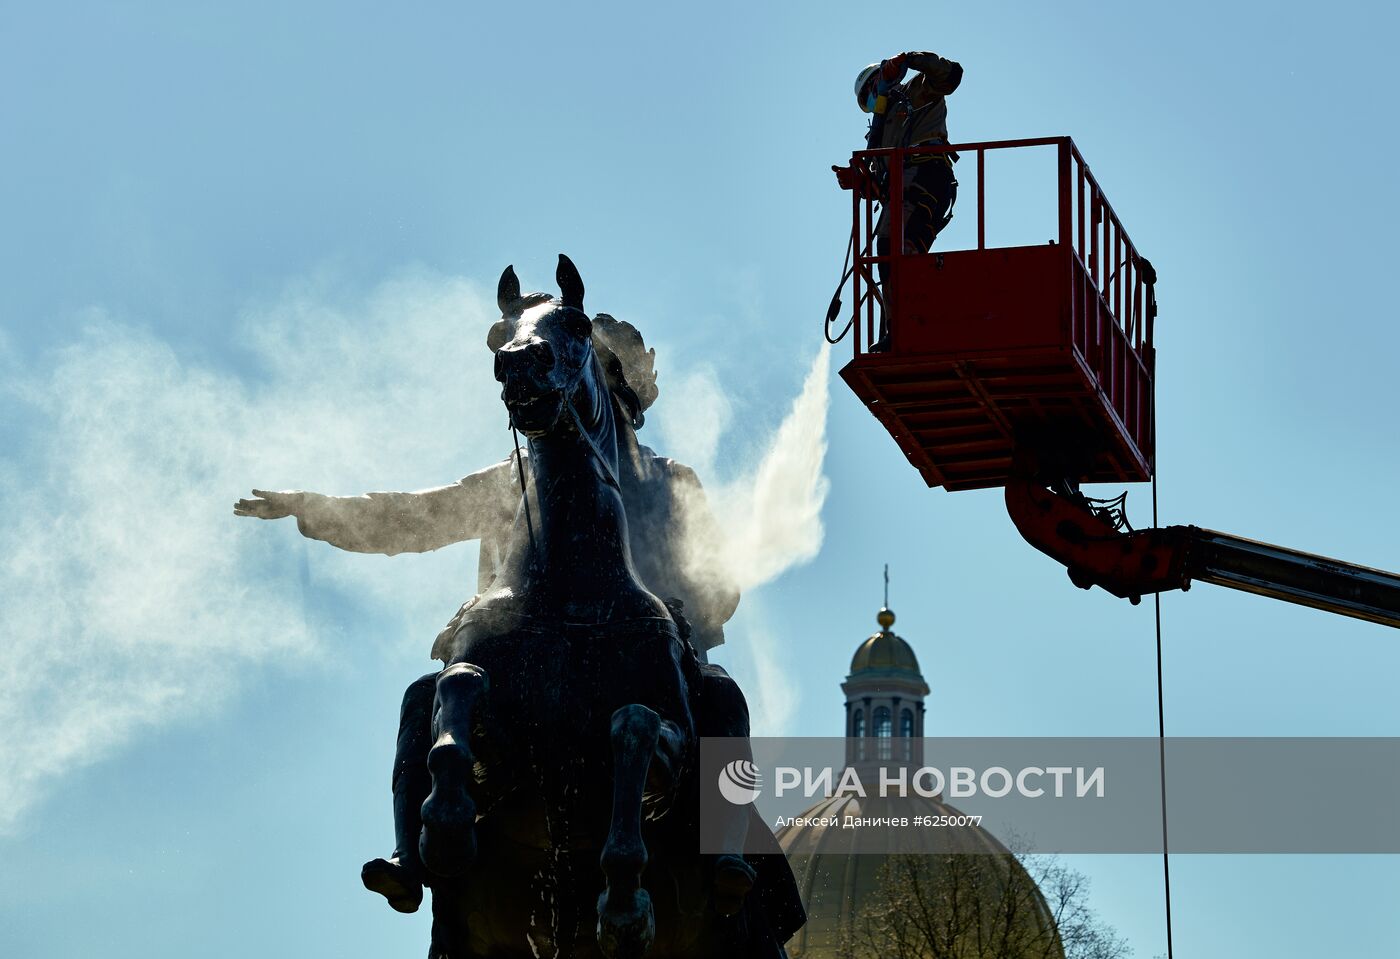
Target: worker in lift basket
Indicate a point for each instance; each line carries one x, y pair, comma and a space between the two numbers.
909, 114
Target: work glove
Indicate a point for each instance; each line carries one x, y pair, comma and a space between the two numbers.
892, 71
854, 178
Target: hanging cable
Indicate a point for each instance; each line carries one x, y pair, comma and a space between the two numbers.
847, 268
1161, 709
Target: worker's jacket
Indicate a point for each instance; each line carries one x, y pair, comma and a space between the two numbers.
917, 113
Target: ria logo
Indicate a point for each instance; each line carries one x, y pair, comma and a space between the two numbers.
740, 782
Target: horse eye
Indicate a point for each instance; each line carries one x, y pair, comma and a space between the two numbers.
579, 324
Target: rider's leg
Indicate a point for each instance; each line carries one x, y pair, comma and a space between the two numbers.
399, 878
647, 751
447, 842
725, 712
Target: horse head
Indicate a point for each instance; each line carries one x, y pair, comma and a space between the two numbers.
544, 351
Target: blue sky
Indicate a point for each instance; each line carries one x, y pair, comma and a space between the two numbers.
253, 245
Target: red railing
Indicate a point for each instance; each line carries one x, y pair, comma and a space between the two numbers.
1086, 223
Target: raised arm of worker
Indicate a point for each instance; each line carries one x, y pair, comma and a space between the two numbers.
940, 75
476, 505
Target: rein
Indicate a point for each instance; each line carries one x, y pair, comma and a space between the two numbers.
571, 388
520, 471
609, 475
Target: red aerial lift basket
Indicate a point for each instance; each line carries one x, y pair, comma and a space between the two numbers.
998, 349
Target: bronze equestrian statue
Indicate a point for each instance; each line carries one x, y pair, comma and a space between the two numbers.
569, 710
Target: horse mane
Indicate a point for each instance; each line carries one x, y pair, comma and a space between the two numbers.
638, 362
618, 385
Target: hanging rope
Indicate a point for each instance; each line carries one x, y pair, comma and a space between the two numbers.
1161, 710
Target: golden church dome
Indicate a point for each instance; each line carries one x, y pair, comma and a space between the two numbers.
885, 651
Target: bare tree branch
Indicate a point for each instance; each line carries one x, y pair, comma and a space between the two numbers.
1013, 906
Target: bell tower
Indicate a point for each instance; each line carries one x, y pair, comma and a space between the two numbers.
885, 694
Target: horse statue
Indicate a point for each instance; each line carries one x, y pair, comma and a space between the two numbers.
562, 818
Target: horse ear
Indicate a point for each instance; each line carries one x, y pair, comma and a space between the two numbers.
508, 292
570, 283
498, 336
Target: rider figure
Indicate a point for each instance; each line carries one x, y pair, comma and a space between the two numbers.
671, 531
912, 114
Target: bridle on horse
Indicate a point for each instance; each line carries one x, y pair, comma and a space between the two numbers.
568, 390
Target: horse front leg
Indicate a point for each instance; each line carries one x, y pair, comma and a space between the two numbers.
447, 843
645, 747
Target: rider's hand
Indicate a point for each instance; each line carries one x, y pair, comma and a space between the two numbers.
269, 505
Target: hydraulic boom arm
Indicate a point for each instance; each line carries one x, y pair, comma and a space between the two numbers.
1088, 540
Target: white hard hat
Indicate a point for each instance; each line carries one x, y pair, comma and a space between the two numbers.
862, 79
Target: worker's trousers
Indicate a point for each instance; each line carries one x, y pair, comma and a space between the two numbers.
929, 191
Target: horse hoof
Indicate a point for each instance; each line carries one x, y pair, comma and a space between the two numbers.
626, 925
447, 844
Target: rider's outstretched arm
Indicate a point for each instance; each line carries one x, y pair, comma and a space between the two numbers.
481, 503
